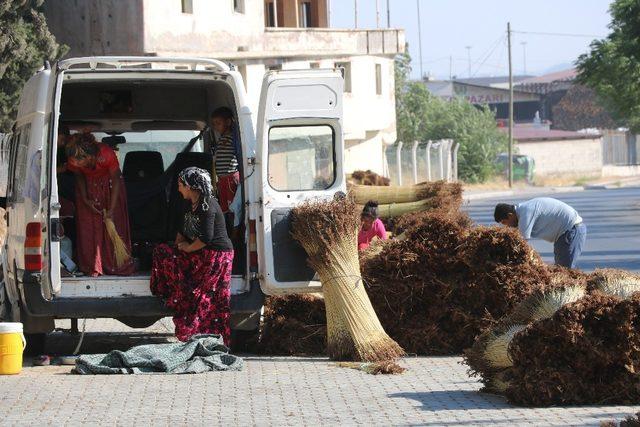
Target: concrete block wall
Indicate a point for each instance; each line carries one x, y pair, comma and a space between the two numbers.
564, 157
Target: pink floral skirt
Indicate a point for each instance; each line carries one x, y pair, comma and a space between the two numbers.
196, 286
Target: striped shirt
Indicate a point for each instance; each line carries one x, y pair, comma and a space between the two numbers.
226, 161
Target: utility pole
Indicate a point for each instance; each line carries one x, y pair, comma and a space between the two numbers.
450, 67
355, 13
388, 15
419, 38
377, 15
468, 60
510, 160
524, 56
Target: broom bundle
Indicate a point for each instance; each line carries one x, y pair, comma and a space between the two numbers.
328, 232
119, 248
395, 201
489, 356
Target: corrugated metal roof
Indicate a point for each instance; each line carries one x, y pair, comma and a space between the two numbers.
558, 76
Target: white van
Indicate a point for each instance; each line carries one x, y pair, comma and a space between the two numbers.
291, 152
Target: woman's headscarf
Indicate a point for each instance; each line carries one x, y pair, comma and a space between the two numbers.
199, 180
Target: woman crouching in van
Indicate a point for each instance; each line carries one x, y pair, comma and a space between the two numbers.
100, 191
193, 276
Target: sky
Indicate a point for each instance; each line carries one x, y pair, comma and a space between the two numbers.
449, 26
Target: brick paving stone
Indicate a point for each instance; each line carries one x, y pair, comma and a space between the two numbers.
270, 391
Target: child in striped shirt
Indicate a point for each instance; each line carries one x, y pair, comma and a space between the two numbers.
226, 160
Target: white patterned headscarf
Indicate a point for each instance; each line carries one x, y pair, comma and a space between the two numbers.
200, 180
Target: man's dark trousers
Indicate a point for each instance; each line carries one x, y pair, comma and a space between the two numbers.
568, 247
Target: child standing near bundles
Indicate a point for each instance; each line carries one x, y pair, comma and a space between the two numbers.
226, 157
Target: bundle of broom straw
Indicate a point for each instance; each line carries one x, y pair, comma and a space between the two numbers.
328, 231
119, 248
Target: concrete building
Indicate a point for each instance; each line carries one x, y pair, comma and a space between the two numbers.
525, 104
253, 35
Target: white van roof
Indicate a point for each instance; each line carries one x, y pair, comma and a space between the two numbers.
142, 62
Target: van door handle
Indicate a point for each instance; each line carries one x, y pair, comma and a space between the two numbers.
56, 206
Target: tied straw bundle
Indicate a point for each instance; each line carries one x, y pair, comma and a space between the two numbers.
119, 248
328, 231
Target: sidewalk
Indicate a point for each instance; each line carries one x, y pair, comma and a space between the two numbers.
283, 391
595, 185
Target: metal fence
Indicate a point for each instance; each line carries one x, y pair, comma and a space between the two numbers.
411, 163
620, 148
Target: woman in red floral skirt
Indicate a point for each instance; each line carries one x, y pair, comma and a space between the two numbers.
100, 191
193, 276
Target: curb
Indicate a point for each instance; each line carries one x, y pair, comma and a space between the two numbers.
534, 190
488, 195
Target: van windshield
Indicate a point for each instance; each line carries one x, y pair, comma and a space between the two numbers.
167, 142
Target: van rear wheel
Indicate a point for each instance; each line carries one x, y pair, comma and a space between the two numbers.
35, 344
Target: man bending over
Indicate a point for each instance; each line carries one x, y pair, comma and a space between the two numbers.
548, 219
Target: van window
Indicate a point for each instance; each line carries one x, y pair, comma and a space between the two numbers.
167, 142
19, 169
301, 158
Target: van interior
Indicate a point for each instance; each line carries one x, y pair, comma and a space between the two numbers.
154, 127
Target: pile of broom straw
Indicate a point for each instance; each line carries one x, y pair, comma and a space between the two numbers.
367, 177
435, 288
574, 344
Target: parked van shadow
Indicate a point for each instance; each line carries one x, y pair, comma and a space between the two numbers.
64, 343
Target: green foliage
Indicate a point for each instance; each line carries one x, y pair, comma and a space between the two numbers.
612, 67
421, 116
25, 43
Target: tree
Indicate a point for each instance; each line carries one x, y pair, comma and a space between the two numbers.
612, 67
421, 116
25, 43
579, 109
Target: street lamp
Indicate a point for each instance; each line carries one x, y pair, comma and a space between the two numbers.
469, 59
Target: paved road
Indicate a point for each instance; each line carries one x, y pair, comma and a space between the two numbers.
612, 218
283, 391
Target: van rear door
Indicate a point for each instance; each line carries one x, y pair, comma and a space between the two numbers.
299, 156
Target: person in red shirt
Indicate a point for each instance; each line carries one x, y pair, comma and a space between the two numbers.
371, 226
99, 191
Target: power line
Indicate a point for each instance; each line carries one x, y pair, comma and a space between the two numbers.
495, 46
537, 33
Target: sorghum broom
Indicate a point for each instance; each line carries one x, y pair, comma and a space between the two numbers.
328, 231
119, 248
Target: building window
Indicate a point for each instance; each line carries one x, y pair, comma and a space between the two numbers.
238, 6
274, 67
270, 14
314, 65
345, 69
187, 6
304, 11
378, 79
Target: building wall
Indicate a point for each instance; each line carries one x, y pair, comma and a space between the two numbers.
97, 27
213, 27
565, 157
215, 30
